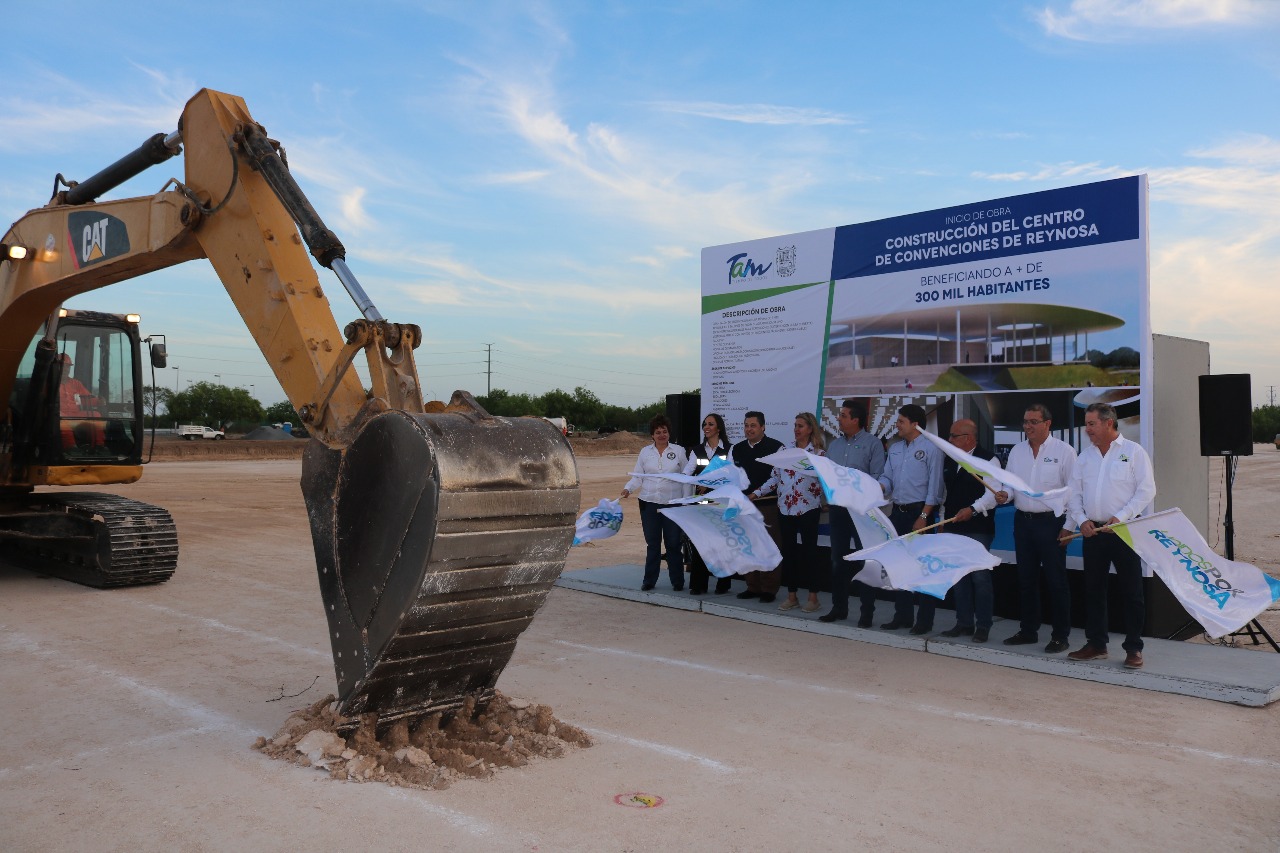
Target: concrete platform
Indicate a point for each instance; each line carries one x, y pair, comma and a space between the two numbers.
1237, 676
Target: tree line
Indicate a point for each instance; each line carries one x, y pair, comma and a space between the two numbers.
211, 404
1266, 423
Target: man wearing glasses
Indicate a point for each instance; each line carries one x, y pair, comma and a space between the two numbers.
1045, 463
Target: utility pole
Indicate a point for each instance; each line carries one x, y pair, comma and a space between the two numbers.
1271, 394
488, 371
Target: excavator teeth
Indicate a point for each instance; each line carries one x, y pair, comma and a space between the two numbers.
437, 539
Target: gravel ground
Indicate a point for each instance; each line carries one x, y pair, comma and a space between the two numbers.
133, 713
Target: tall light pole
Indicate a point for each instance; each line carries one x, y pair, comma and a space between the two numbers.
177, 378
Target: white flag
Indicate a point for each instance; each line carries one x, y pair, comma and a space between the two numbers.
719, 472
599, 522
728, 532
930, 563
1055, 499
873, 527
1222, 595
856, 491
792, 459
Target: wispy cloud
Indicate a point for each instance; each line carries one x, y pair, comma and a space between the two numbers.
650, 180
438, 278
1215, 243
1057, 172
528, 176
66, 110
1114, 20
754, 113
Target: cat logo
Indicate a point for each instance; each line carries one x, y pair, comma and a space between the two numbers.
95, 237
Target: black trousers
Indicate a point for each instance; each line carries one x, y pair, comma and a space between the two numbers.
1100, 553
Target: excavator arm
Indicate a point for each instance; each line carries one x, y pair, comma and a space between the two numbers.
438, 529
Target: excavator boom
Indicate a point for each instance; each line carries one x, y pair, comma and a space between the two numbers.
438, 529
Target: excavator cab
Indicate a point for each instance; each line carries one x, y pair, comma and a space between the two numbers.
80, 403
438, 529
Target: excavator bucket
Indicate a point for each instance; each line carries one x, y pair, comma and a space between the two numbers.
437, 538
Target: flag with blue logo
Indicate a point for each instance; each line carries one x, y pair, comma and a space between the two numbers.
727, 530
719, 472
600, 522
1055, 499
1222, 595
856, 491
930, 563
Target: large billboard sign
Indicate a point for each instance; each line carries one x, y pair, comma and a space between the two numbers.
973, 311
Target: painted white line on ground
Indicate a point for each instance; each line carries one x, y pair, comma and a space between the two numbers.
662, 748
58, 762
461, 820
243, 632
935, 710
206, 718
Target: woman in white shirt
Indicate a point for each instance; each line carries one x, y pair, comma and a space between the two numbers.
799, 508
714, 443
656, 493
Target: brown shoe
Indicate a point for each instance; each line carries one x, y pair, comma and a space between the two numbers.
1133, 660
1088, 652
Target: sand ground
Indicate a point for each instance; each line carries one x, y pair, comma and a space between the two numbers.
132, 713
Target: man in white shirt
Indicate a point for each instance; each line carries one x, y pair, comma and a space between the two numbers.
1112, 482
1045, 463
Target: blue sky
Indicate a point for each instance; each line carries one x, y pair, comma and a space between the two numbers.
542, 176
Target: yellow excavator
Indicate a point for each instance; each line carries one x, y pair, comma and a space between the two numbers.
438, 529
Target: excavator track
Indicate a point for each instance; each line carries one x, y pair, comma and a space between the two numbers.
94, 539
437, 539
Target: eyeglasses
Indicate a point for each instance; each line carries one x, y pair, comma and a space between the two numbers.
1031, 422
958, 435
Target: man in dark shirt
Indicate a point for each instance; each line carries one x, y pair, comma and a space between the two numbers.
746, 455
971, 504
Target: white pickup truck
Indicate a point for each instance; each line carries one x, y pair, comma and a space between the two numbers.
191, 433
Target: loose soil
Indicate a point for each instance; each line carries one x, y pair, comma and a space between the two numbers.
430, 752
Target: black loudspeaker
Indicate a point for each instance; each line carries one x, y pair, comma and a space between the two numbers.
1226, 415
685, 413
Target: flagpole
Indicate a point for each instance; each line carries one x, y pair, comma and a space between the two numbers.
931, 526
984, 483
1098, 529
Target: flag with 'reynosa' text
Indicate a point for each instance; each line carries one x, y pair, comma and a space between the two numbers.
1222, 595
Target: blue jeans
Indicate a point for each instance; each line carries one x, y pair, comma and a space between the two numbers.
1035, 542
974, 597
1100, 552
660, 530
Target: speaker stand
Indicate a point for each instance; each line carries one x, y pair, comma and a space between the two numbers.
1254, 628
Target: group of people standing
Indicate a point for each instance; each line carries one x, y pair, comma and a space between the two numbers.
1110, 482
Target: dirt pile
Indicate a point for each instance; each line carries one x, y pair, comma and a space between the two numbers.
268, 433
233, 449
617, 444
432, 752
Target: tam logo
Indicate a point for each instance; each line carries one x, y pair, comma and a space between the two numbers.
738, 268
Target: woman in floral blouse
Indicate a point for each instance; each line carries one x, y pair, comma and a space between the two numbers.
799, 506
